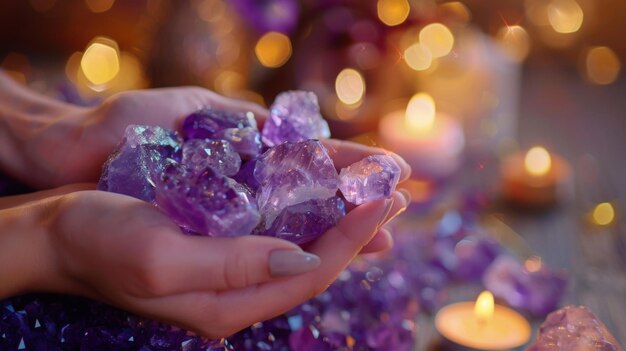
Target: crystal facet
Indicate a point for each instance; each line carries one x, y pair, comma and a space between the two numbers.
294, 116
207, 203
574, 329
217, 154
135, 164
203, 124
291, 173
374, 177
246, 141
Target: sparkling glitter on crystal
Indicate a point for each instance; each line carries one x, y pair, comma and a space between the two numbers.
220, 155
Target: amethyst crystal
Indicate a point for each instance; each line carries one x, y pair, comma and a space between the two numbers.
134, 166
294, 116
199, 154
203, 124
206, 203
246, 141
538, 291
374, 177
245, 176
291, 173
574, 329
306, 221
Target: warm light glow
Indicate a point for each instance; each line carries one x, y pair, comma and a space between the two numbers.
393, 12
455, 12
533, 264
603, 214
515, 42
420, 112
98, 6
537, 161
273, 49
101, 61
73, 65
483, 309
602, 65
565, 16
350, 86
418, 57
437, 38
42, 5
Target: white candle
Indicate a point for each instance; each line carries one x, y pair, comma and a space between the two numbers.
430, 142
483, 325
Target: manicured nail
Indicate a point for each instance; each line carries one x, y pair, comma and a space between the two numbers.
292, 262
388, 205
406, 194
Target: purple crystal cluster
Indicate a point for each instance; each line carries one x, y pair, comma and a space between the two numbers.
223, 177
574, 328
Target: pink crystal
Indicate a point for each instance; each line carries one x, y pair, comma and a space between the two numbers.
294, 116
217, 154
374, 177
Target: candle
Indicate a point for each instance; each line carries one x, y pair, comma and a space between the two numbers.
536, 178
483, 325
429, 141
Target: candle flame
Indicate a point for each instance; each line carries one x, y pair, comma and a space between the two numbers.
483, 309
420, 112
537, 161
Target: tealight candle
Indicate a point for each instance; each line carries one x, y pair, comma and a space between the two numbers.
430, 142
536, 178
483, 325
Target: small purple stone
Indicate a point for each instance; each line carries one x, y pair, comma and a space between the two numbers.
374, 177
245, 176
220, 155
291, 173
307, 221
246, 141
207, 203
574, 329
538, 292
294, 116
203, 124
138, 160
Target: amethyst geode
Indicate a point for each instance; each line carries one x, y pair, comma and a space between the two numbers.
374, 177
574, 329
200, 154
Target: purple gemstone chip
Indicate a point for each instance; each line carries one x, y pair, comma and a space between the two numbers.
246, 141
292, 173
574, 328
294, 116
207, 203
220, 155
203, 124
133, 167
374, 177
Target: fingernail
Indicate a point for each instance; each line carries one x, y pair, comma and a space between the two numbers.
292, 262
406, 194
389, 203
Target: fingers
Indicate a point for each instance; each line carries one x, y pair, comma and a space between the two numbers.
381, 242
345, 153
211, 264
17, 200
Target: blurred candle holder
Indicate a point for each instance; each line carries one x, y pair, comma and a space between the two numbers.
535, 179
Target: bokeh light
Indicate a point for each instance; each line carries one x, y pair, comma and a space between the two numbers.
603, 214
537, 161
437, 38
393, 12
273, 49
418, 57
514, 41
98, 6
455, 12
602, 65
350, 86
420, 112
565, 16
101, 62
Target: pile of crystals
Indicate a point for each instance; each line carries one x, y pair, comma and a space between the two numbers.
224, 177
574, 328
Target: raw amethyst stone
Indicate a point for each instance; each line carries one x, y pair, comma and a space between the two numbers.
133, 167
291, 173
294, 116
246, 141
245, 176
203, 124
206, 203
374, 177
306, 221
574, 329
538, 292
220, 155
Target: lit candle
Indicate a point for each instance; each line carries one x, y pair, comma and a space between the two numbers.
483, 325
429, 141
536, 178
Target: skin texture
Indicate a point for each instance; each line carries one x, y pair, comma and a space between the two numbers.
125, 252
